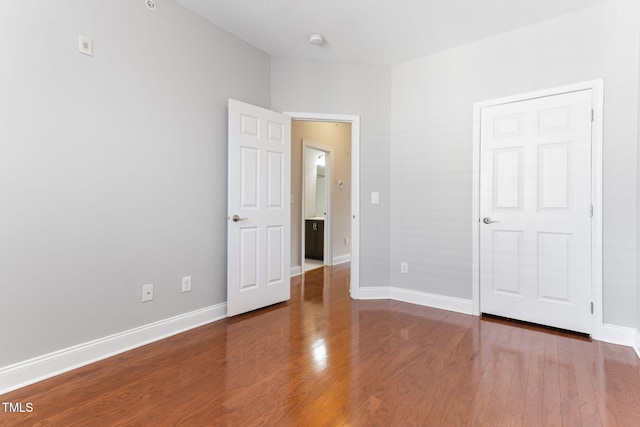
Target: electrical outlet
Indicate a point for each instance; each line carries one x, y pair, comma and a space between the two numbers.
404, 267
147, 292
186, 284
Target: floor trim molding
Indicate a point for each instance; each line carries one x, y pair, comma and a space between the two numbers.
375, 292
620, 335
612, 334
30, 371
295, 271
343, 259
459, 305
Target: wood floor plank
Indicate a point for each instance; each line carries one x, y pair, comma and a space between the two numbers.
596, 362
497, 409
483, 393
474, 352
517, 396
533, 406
551, 402
570, 402
323, 359
622, 396
511, 421
589, 412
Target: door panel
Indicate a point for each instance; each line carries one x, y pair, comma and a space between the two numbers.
554, 262
249, 259
507, 178
275, 181
249, 178
275, 249
535, 191
507, 262
553, 176
259, 180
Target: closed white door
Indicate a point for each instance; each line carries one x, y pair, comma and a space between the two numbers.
258, 208
535, 208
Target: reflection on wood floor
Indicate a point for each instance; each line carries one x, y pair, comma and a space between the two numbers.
322, 359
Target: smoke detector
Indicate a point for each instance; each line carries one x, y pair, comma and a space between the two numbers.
316, 39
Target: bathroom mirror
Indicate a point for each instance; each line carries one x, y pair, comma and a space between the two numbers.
315, 184
321, 191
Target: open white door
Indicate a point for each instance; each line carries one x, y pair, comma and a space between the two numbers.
259, 211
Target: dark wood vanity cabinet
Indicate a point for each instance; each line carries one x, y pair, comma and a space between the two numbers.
314, 239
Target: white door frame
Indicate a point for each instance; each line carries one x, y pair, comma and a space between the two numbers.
327, 258
354, 287
597, 88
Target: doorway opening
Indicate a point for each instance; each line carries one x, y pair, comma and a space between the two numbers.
321, 184
338, 137
317, 214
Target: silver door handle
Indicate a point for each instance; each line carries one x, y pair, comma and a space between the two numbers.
236, 218
488, 220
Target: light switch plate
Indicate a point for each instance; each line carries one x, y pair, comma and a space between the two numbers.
375, 198
186, 284
85, 45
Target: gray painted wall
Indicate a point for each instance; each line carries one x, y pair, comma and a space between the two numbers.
112, 168
364, 90
431, 143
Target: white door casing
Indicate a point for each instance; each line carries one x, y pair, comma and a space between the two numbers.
259, 187
538, 174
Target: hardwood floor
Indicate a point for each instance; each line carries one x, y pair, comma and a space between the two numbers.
322, 359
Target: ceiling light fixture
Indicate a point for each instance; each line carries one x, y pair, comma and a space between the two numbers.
316, 39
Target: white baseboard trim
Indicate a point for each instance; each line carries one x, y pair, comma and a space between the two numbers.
296, 270
621, 335
39, 368
375, 292
343, 259
612, 334
459, 305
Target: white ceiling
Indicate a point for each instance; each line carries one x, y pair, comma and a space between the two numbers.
373, 31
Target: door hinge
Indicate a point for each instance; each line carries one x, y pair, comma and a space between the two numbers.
592, 114
591, 307
591, 211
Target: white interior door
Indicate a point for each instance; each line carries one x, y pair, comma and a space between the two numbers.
259, 212
536, 213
